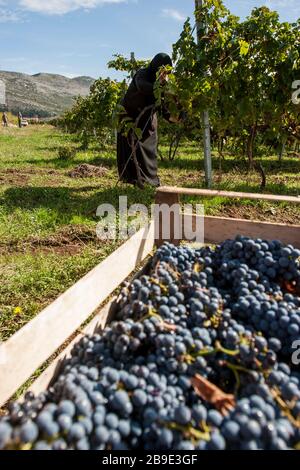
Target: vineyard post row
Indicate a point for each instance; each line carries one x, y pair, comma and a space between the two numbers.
205, 115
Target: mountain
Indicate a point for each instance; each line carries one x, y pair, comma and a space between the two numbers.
43, 94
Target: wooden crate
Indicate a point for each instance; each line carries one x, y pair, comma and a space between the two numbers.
29, 348
218, 229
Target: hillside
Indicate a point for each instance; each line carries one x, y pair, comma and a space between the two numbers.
43, 94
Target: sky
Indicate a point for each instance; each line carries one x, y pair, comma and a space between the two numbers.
79, 37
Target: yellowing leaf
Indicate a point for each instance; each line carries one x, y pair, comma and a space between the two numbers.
244, 47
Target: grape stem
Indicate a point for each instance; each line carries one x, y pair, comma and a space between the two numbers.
151, 313
285, 408
189, 431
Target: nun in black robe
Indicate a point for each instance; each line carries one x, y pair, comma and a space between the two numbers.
139, 102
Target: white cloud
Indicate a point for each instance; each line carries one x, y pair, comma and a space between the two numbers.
60, 7
9, 16
71, 75
174, 14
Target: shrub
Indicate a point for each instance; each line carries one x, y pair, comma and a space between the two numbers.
66, 153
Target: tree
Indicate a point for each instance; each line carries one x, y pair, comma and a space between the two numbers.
128, 65
92, 117
242, 71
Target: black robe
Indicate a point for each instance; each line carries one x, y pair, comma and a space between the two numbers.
140, 97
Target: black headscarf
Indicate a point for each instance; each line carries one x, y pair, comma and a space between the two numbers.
160, 60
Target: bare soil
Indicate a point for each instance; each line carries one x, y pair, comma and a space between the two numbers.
286, 215
70, 240
21, 177
88, 171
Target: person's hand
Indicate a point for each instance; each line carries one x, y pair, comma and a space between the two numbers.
164, 77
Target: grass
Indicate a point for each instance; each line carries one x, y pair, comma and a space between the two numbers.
48, 220
31, 280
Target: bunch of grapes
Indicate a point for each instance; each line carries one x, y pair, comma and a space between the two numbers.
258, 276
198, 358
